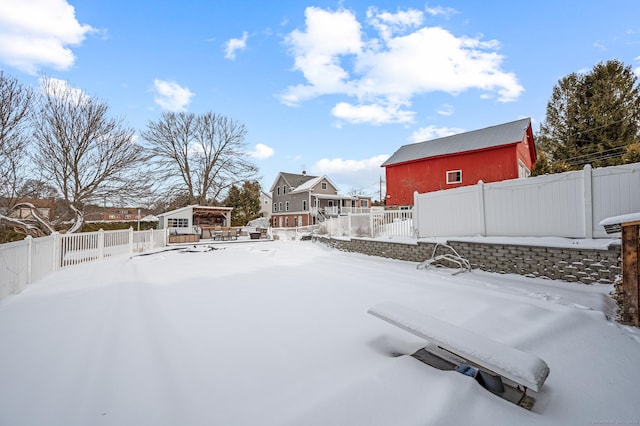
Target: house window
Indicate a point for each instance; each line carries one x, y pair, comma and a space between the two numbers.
295, 221
454, 176
286, 222
304, 205
323, 185
278, 190
286, 206
364, 203
280, 206
523, 171
178, 223
284, 189
275, 207
275, 221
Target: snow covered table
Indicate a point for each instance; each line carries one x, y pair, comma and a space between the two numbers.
520, 367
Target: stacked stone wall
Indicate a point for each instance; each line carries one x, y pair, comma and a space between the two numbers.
582, 265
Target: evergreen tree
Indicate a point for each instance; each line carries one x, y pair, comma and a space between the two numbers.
591, 118
245, 202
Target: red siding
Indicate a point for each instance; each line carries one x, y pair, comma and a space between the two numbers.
491, 165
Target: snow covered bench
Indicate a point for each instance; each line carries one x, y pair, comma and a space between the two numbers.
522, 368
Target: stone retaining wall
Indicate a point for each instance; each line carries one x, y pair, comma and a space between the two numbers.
568, 264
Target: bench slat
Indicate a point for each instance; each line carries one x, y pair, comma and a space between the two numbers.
520, 367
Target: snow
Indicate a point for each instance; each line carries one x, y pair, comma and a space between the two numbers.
523, 368
277, 333
625, 218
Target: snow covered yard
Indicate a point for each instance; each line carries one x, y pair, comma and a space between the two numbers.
277, 333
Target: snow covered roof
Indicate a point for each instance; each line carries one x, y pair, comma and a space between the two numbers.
310, 184
503, 134
292, 179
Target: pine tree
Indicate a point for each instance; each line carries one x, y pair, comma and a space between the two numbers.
245, 203
591, 118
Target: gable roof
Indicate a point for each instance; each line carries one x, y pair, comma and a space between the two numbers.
502, 134
293, 180
311, 183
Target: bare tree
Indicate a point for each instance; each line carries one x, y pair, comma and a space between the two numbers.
85, 154
15, 111
199, 156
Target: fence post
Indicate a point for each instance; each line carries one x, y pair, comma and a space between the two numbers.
100, 244
151, 238
482, 223
29, 239
588, 201
130, 241
371, 222
415, 215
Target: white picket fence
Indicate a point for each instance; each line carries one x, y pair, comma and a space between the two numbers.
378, 223
570, 204
23, 262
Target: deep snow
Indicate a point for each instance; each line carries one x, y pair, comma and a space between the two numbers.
275, 333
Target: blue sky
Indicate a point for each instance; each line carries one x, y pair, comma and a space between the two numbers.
331, 87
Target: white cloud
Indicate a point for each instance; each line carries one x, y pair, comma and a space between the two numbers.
171, 96
360, 175
340, 166
433, 132
236, 44
372, 113
262, 151
446, 110
337, 57
38, 33
56, 87
387, 24
441, 11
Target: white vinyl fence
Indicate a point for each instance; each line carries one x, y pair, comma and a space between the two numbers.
378, 223
23, 262
568, 204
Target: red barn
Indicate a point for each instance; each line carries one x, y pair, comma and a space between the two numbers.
492, 154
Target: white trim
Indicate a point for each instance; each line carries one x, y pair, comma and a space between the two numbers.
449, 182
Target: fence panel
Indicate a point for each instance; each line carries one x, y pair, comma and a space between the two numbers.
42, 250
451, 212
393, 223
544, 206
616, 191
14, 267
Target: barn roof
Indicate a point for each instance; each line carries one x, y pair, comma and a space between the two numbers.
502, 134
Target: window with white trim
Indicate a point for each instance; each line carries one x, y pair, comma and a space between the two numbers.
278, 190
304, 205
280, 206
286, 206
178, 223
284, 189
454, 176
323, 185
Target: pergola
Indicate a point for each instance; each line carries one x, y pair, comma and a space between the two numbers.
212, 216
